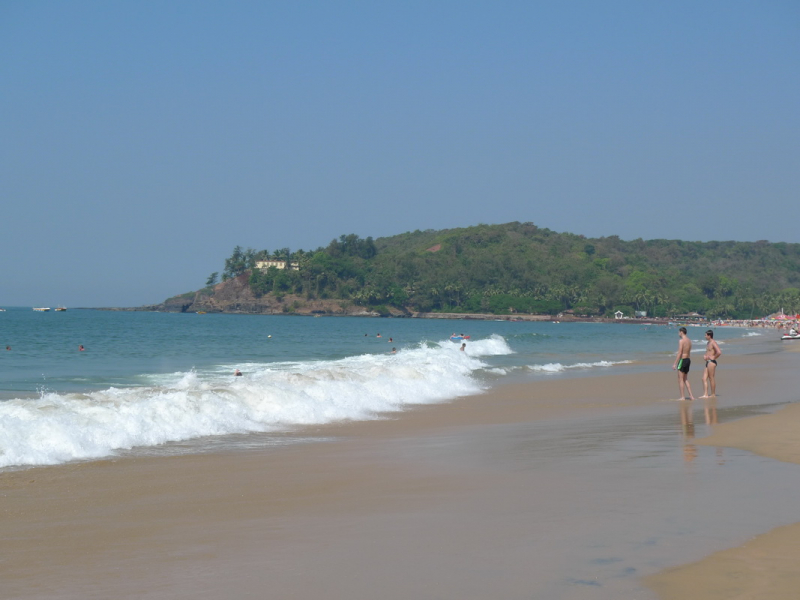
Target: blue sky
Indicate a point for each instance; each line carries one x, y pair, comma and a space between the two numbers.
141, 141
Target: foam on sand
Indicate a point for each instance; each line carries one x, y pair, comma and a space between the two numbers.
559, 368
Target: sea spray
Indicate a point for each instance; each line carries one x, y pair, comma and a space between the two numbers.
57, 428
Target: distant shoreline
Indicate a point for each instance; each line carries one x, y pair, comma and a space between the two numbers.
562, 318
399, 315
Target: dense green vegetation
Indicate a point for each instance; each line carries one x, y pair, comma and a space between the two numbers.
518, 267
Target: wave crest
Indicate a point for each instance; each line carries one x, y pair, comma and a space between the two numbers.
57, 428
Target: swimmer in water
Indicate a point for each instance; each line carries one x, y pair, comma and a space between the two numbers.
81, 348
237, 373
463, 347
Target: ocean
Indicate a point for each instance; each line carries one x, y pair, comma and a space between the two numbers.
578, 505
164, 383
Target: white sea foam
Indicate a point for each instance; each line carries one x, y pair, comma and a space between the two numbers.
558, 367
56, 428
752, 334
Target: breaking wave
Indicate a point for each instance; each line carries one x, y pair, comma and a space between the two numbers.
56, 428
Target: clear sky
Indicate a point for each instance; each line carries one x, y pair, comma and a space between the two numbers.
141, 141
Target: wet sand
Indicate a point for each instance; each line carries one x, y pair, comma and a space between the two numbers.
444, 501
767, 567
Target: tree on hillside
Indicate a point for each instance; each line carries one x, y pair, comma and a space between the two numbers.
521, 268
239, 262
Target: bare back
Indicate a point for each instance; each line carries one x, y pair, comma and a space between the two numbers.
684, 347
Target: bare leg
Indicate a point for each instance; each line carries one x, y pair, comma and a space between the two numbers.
683, 385
688, 387
711, 369
681, 389
705, 383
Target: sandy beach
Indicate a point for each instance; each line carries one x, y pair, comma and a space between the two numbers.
767, 566
481, 497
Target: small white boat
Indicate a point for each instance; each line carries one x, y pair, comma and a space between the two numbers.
787, 336
40, 309
61, 309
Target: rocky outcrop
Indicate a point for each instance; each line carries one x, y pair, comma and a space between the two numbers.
235, 296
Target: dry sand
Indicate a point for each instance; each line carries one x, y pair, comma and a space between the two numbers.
768, 566
354, 516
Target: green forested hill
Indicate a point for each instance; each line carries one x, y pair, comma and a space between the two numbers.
518, 267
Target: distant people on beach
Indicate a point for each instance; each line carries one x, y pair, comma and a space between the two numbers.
713, 352
682, 364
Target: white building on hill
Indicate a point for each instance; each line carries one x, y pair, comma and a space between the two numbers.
263, 265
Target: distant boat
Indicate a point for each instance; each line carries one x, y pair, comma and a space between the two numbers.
61, 309
201, 312
41, 309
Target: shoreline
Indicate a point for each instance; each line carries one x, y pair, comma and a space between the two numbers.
767, 566
349, 514
516, 317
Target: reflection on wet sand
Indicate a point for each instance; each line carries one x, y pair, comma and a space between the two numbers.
688, 430
687, 427
766, 566
711, 411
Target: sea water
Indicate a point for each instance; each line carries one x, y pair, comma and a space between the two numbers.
158, 380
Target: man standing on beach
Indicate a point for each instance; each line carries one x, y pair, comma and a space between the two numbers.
682, 364
710, 374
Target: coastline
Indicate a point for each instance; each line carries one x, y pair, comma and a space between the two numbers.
432, 502
397, 314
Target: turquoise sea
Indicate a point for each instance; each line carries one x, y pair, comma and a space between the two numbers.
159, 380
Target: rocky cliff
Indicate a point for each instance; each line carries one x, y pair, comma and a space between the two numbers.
235, 296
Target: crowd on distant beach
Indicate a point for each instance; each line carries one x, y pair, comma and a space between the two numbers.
787, 323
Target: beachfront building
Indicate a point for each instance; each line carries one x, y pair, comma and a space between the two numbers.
263, 265
692, 316
618, 314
